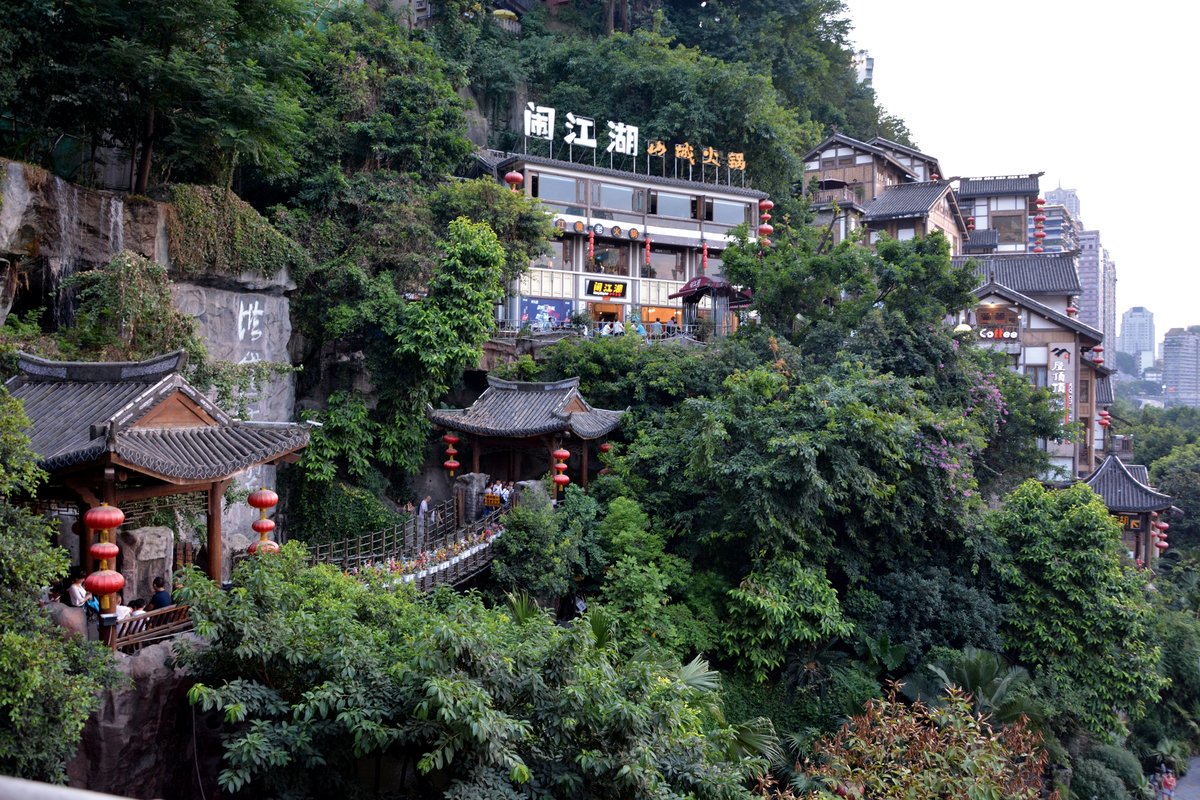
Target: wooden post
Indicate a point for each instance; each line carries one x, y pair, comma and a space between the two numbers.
216, 570
85, 543
475, 454
583, 470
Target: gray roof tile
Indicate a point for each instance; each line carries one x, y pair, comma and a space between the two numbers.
1027, 273
1104, 392
1122, 492
982, 240
68, 402
906, 200
1002, 185
517, 409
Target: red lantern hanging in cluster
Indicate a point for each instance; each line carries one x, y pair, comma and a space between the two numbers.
647, 251
704, 257
514, 179
560, 467
104, 582
451, 463
970, 223
264, 500
1039, 222
605, 447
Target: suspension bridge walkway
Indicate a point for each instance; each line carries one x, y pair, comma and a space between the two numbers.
441, 549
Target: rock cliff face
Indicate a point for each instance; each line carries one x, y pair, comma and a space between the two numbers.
145, 739
51, 229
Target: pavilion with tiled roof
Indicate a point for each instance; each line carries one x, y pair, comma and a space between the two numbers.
118, 432
1135, 504
1031, 274
511, 416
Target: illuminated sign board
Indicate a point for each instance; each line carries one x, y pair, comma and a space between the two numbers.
606, 288
998, 322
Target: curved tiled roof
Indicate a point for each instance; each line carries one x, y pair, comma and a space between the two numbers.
1043, 310
85, 412
1122, 491
1000, 185
982, 240
906, 200
518, 409
1027, 273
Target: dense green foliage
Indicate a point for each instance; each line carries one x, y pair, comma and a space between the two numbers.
316, 673
213, 232
51, 679
1078, 614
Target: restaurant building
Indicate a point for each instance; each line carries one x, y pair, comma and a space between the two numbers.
628, 241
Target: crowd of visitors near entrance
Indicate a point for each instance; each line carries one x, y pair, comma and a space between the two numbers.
74, 594
657, 330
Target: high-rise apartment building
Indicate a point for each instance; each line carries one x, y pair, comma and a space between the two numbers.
1061, 227
1181, 367
1098, 280
864, 67
1137, 336
1066, 198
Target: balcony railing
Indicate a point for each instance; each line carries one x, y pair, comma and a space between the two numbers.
842, 196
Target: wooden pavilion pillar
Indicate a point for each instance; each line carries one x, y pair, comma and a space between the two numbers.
216, 550
583, 478
475, 444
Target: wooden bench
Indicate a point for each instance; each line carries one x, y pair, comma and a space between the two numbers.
133, 633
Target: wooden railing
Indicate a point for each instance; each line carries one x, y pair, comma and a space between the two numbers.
135, 632
429, 556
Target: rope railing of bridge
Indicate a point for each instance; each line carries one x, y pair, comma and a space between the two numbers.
427, 552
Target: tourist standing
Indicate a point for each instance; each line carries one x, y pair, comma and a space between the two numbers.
161, 597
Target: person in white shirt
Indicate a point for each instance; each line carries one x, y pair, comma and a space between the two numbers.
76, 594
618, 328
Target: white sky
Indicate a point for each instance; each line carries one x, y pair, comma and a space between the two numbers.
1098, 94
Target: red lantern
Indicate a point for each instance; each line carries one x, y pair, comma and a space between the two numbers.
263, 547
647, 251
704, 255
765, 229
263, 526
103, 582
1098, 349
514, 179
1039, 219
561, 480
1097, 360
104, 551
560, 467
262, 499
764, 217
1037, 249
103, 517
1039, 234
1161, 546
450, 439
1041, 201
1072, 311
562, 454
934, 177
1153, 515
605, 447
765, 205
451, 465
1162, 526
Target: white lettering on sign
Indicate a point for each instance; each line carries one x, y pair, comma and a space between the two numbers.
249, 320
622, 139
580, 131
539, 121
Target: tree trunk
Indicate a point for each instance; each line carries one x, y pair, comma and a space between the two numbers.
146, 156
610, 14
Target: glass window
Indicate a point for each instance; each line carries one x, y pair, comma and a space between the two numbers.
559, 256
716, 267
726, 213
612, 259
1010, 228
1037, 355
1085, 391
666, 263
905, 234
1038, 376
673, 205
621, 198
555, 188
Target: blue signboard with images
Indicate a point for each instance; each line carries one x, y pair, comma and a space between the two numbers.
544, 315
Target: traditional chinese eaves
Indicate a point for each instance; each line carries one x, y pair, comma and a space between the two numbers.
1042, 310
1027, 273
1001, 185
141, 415
982, 240
907, 200
518, 409
517, 161
1122, 492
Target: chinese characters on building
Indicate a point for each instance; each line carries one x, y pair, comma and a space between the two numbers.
623, 139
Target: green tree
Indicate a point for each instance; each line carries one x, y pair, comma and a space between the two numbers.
316, 673
51, 680
1077, 612
1178, 474
534, 555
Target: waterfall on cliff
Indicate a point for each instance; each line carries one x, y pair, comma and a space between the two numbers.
66, 254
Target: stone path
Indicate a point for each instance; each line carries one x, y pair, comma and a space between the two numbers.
1189, 785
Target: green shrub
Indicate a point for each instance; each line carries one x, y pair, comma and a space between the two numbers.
211, 231
328, 512
1121, 763
1091, 779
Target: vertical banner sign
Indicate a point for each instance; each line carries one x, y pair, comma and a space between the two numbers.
1062, 376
